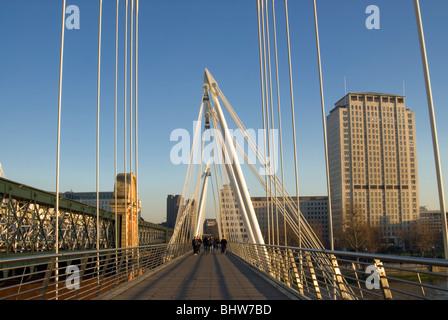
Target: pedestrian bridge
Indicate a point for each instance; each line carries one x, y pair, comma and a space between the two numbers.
55, 249
213, 276
246, 272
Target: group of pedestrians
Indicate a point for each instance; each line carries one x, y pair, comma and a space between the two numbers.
210, 245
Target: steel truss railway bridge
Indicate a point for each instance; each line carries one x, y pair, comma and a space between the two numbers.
56, 248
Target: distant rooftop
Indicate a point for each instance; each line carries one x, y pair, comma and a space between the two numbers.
366, 94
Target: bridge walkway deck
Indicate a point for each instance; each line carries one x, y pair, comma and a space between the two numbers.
204, 277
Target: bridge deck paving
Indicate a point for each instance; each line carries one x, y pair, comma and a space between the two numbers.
205, 277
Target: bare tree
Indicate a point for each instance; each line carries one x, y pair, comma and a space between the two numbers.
373, 239
356, 232
422, 237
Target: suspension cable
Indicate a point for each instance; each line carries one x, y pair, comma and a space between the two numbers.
324, 126
279, 111
272, 159
61, 63
131, 92
136, 114
125, 121
115, 123
262, 77
292, 108
98, 131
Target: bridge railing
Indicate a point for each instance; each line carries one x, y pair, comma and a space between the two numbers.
28, 222
80, 275
336, 275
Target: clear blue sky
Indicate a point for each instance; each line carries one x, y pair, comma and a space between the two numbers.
178, 39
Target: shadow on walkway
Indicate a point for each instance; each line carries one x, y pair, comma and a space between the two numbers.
204, 277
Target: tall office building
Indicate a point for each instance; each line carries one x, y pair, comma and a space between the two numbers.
172, 207
373, 161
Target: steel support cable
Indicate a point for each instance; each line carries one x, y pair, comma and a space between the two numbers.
98, 140
241, 126
224, 211
268, 93
61, 64
284, 212
115, 127
243, 209
266, 126
214, 202
272, 144
136, 115
433, 124
248, 138
228, 234
98, 129
125, 122
246, 206
234, 185
179, 216
327, 167
292, 105
238, 181
131, 92
279, 108
263, 183
218, 219
243, 129
188, 222
262, 77
307, 230
183, 223
198, 186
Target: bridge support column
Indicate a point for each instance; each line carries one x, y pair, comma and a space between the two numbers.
127, 208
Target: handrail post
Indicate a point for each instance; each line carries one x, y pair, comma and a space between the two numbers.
284, 264
51, 267
296, 272
338, 278
383, 279
313, 276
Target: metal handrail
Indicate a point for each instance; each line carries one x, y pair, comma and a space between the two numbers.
313, 273
324, 274
80, 275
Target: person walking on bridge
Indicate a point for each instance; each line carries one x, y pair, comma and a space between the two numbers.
193, 244
206, 244
196, 245
223, 245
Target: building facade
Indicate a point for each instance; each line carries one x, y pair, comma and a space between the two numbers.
232, 225
313, 208
89, 198
2, 173
373, 161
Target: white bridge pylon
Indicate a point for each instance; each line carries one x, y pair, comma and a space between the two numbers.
221, 157
191, 214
